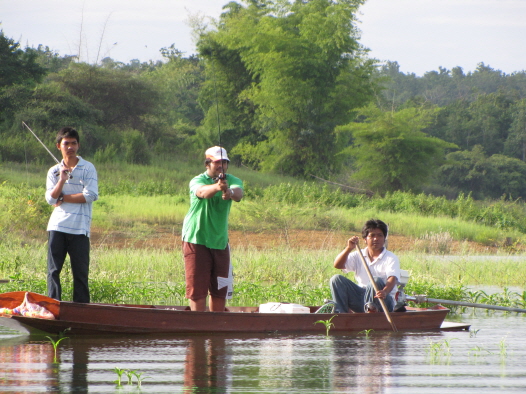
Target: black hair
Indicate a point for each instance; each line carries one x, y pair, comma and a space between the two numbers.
373, 224
67, 132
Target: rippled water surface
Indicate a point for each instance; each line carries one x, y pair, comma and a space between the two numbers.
490, 359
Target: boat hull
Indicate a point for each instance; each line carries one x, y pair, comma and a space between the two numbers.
86, 319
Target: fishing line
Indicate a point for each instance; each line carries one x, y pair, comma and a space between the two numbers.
27, 164
218, 122
45, 147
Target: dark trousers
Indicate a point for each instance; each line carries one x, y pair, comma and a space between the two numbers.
348, 295
77, 247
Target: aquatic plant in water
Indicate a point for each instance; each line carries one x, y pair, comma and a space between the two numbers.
437, 350
478, 351
503, 348
366, 332
55, 346
119, 373
473, 332
138, 376
328, 324
130, 374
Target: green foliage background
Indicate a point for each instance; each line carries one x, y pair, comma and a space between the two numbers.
288, 89
292, 94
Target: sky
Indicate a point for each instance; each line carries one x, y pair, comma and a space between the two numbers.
421, 35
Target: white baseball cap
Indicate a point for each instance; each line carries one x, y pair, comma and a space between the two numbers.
216, 153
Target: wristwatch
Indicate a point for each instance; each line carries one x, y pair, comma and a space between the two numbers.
60, 198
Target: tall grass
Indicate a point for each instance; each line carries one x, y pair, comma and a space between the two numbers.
469, 271
274, 274
320, 205
124, 212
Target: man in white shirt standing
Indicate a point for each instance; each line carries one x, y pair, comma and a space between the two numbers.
71, 187
383, 264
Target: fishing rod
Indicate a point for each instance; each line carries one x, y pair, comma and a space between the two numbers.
45, 147
222, 175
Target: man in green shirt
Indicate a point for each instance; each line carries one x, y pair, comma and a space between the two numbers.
208, 269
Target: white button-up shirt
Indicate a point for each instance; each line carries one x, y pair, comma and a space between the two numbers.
73, 218
384, 266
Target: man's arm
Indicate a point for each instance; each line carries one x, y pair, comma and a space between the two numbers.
89, 193
341, 259
391, 283
229, 193
233, 193
209, 191
56, 197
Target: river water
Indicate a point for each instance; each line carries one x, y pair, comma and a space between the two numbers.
489, 358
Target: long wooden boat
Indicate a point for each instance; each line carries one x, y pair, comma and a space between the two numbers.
89, 319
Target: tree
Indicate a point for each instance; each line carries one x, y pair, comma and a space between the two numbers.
123, 97
490, 121
46, 108
484, 177
509, 179
287, 74
390, 150
466, 171
516, 142
50, 59
18, 66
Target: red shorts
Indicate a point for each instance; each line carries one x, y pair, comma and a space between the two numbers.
207, 271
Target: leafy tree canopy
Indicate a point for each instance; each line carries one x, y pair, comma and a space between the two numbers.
288, 72
121, 96
16, 65
485, 177
390, 150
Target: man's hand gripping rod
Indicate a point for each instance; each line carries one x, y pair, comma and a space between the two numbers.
45, 147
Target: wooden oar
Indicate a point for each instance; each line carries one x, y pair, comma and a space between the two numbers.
419, 299
384, 307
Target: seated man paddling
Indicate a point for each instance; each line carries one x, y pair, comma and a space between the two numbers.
384, 266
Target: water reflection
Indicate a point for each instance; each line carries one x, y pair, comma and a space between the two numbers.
382, 362
79, 369
26, 364
365, 363
207, 365
29, 365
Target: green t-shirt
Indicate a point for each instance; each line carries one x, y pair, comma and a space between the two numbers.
206, 223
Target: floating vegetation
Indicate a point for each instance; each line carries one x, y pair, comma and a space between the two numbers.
437, 351
478, 352
503, 348
473, 332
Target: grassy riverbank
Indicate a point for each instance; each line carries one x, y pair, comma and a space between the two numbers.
285, 235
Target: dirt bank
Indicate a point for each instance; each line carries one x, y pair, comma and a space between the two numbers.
165, 238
